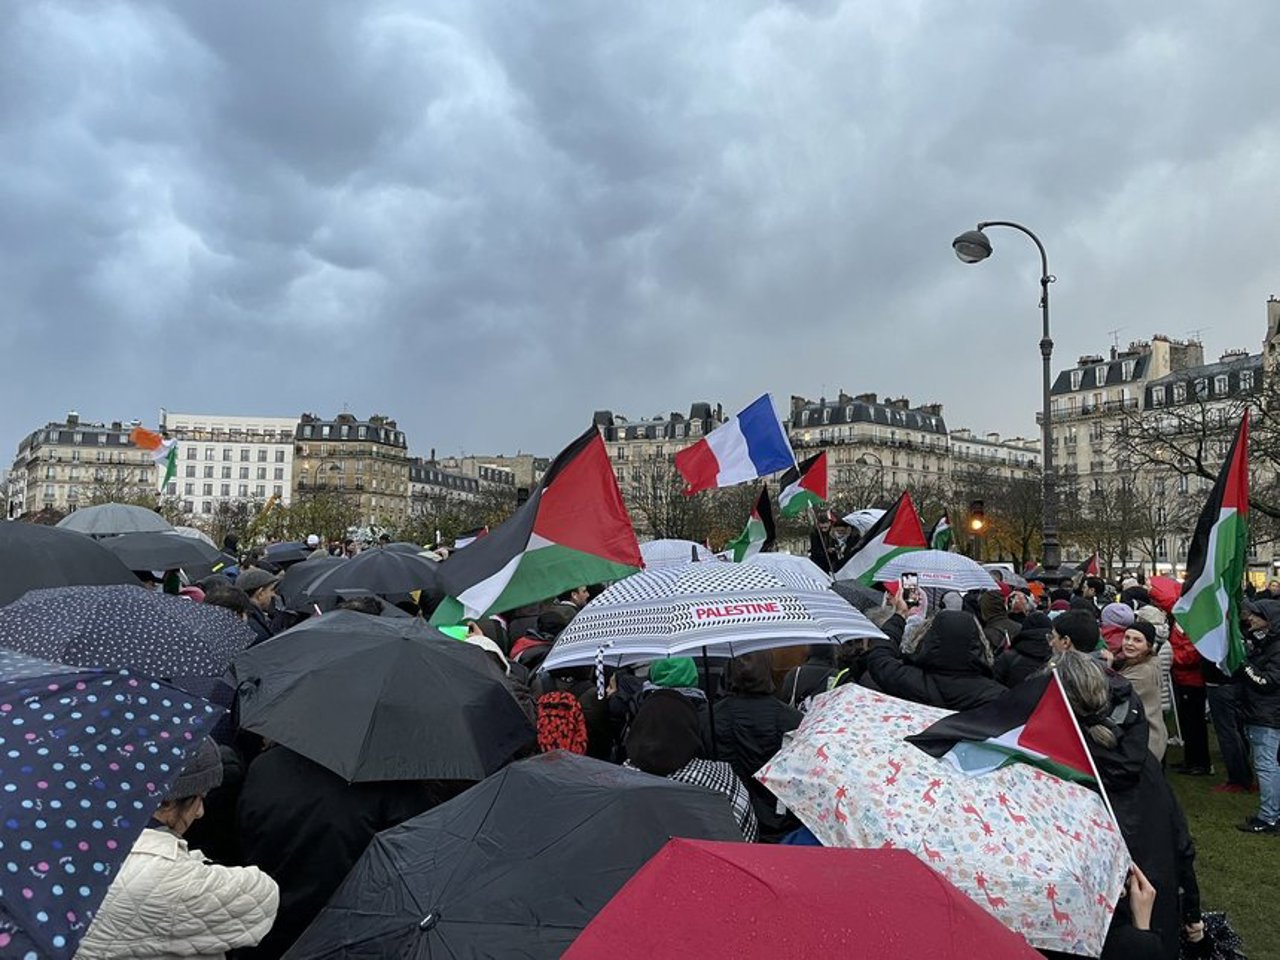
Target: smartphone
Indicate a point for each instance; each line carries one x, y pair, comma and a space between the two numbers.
909, 583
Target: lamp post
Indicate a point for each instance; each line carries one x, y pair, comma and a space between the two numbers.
865, 460
315, 471
973, 246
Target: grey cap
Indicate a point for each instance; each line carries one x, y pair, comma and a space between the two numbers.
202, 773
255, 579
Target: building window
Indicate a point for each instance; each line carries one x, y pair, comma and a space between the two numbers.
279, 456
224, 490
244, 490
324, 432
262, 456
362, 433
244, 473
277, 491
192, 453
1157, 396
1127, 369
1076, 377
260, 490
207, 489
188, 489
102, 439
226, 473
226, 453
279, 473
1202, 388
1220, 384
244, 454
188, 506
206, 507
262, 473
1179, 393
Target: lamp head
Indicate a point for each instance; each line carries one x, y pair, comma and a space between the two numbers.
972, 246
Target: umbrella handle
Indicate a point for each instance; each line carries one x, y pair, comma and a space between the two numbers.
600, 668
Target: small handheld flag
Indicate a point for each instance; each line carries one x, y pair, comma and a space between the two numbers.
758, 535
941, 536
898, 531
803, 486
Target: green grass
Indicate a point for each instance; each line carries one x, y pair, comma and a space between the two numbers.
1238, 873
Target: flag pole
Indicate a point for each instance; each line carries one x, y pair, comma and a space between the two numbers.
1075, 722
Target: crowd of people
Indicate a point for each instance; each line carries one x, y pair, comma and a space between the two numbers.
254, 838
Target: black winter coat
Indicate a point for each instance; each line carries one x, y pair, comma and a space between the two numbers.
1260, 679
947, 670
748, 732
1151, 821
1029, 654
306, 827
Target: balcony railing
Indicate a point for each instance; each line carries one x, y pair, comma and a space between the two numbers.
1092, 409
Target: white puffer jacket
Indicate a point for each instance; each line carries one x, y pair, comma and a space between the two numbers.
167, 901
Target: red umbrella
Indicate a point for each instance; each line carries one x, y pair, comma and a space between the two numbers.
704, 899
1164, 592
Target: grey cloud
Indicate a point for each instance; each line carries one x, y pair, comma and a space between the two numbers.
490, 220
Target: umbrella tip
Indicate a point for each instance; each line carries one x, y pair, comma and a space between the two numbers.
430, 920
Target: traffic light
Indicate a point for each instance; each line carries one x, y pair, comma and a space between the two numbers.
977, 517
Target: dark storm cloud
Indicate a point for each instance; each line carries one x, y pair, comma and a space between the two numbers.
490, 220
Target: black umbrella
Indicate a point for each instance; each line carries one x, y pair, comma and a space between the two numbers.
377, 698
300, 576
514, 867
381, 571
125, 627
34, 556
291, 551
862, 598
403, 546
160, 551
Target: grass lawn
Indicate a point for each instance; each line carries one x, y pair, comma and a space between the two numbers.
1238, 873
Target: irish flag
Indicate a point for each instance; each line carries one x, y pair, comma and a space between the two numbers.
163, 452
748, 446
758, 534
940, 536
897, 532
804, 486
573, 530
1031, 723
1209, 609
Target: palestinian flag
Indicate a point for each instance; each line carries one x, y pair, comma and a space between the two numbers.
1030, 723
573, 530
941, 535
1092, 567
163, 452
470, 537
897, 532
1209, 609
758, 534
804, 486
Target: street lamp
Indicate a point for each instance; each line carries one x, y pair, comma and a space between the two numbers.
315, 471
973, 246
865, 461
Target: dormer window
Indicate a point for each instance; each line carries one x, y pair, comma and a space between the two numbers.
1179, 393
826, 414
1100, 376
1220, 385
1157, 396
1127, 369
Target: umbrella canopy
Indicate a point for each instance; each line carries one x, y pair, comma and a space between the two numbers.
294, 583
791, 563
403, 546
88, 756
1062, 574
724, 609
938, 569
379, 571
160, 551
1015, 580
781, 901
863, 598
659, 553
1039, 853
34, 556
109, 519
195, 533
289, 551
471, 879
863, 520
378, 698
124, 628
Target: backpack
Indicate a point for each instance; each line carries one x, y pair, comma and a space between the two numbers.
561, 723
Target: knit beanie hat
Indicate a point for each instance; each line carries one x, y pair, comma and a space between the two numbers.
202, 773
1117, 615
1148, 630
674, 672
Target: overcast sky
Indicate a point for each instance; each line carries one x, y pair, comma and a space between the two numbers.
488, 220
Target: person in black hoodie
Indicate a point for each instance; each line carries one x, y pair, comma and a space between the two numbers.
1260, 706
1150, 819
749, 725
948, 669
1030, 651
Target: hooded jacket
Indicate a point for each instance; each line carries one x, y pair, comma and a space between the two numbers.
1151, 820
168, 901
1029, 654
1000, 628
1260, 677
948, 669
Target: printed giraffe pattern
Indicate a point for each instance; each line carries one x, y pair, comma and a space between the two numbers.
1007, 839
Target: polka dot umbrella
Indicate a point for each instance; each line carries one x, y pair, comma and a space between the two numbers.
121, 627
86, 757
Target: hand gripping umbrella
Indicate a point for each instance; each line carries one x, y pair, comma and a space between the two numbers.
34, 556
109, 519
718, 609
85, 758
125, 627
1040, 854
766, 901
513, 868
374, 698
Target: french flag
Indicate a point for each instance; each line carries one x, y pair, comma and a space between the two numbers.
750, 445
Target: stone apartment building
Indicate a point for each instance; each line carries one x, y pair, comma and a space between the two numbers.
429, 484
366, 459
57, 466
224, 458
638, 448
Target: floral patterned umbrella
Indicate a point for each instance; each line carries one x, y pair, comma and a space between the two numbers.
1042, 855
